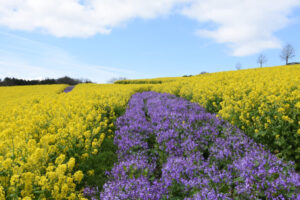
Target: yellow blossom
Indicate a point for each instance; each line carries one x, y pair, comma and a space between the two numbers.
91, 172
95, 151
60, 159
78, 176
71, 164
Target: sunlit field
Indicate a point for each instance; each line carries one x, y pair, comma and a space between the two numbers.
225, 135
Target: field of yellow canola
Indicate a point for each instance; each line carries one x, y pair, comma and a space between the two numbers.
19, 94
48, 138
53, 143
263, 102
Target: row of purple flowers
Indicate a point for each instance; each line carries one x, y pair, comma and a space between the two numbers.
170, 148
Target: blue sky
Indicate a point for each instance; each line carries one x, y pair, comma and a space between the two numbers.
142, 40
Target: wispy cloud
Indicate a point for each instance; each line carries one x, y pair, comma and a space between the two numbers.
25, 58
19, 69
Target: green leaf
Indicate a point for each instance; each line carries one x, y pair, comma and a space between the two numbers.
239, 179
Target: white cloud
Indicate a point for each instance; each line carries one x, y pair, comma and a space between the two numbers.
78, 18
247, 26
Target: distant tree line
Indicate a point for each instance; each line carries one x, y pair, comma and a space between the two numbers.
115, 79
63, 80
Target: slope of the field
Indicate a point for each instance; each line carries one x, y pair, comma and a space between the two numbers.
263, 102
53, 143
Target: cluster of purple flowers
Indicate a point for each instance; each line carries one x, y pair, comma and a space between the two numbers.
170, 148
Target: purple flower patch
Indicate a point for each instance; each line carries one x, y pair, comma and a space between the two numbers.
170, 148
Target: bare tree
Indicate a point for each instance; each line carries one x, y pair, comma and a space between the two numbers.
238, 66
287, 53
261, 59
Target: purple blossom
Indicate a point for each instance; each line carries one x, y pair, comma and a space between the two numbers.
169, 146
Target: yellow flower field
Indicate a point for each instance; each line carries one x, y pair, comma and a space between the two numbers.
46, 136
52, 143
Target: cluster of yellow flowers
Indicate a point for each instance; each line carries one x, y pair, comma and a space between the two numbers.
264, 102
45, 135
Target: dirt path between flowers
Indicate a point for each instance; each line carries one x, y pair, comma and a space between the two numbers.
69, 89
